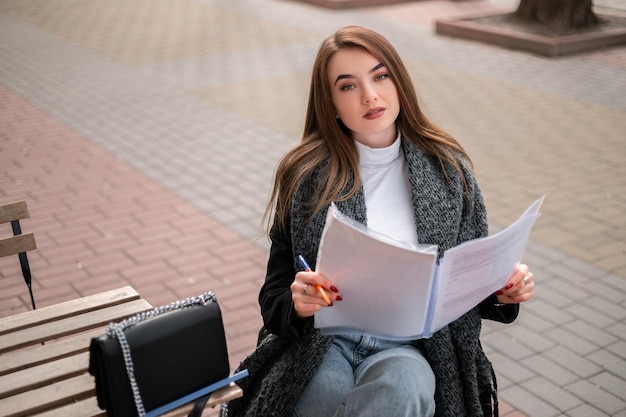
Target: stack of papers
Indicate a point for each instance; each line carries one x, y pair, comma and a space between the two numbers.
397, 291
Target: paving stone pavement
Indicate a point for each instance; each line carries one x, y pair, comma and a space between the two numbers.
143, 135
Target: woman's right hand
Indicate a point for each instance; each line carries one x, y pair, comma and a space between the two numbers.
307, 299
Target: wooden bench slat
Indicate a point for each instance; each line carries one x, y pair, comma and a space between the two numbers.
229, 392
52, 350
42, 375
89, 407
13, 211
48, 397
68, 325
17, 244
86, 408
68, 308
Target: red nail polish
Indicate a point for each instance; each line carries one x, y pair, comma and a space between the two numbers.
338, 298
498, 293
333, 288
509, 286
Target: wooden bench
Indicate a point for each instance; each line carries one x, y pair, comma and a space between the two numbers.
44, 356
18, 243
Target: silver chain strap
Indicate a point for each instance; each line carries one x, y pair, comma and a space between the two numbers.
117, 330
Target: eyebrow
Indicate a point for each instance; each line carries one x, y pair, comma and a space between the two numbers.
342, 76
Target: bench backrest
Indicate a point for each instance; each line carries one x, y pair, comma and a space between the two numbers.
18, 243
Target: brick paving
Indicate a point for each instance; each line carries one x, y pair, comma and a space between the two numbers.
144, 134
100, 224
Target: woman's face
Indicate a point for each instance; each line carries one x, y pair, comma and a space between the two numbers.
364, 96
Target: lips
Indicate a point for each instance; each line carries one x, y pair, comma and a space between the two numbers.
374, 113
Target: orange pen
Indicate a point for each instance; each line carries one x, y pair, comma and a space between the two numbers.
306, 267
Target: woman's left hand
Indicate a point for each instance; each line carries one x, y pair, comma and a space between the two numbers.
519, 288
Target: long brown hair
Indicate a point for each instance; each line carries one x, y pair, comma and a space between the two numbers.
327, 140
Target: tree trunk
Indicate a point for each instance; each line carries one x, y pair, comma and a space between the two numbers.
558, 14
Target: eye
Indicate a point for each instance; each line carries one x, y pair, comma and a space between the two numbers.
381, 76
347, 87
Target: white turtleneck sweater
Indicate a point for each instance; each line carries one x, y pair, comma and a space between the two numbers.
385, 179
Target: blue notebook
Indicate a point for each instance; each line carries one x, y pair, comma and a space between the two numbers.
197, 394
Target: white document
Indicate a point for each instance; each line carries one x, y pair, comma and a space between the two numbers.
395, 290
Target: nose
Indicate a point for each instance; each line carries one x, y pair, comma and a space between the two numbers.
369, 95
369, 98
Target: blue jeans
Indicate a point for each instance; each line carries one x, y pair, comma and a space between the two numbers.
362, 376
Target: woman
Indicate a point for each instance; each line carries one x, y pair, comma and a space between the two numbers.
368, 147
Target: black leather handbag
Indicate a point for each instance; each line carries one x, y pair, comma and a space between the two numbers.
159, 356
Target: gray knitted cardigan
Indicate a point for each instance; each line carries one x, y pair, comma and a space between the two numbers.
446, 216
